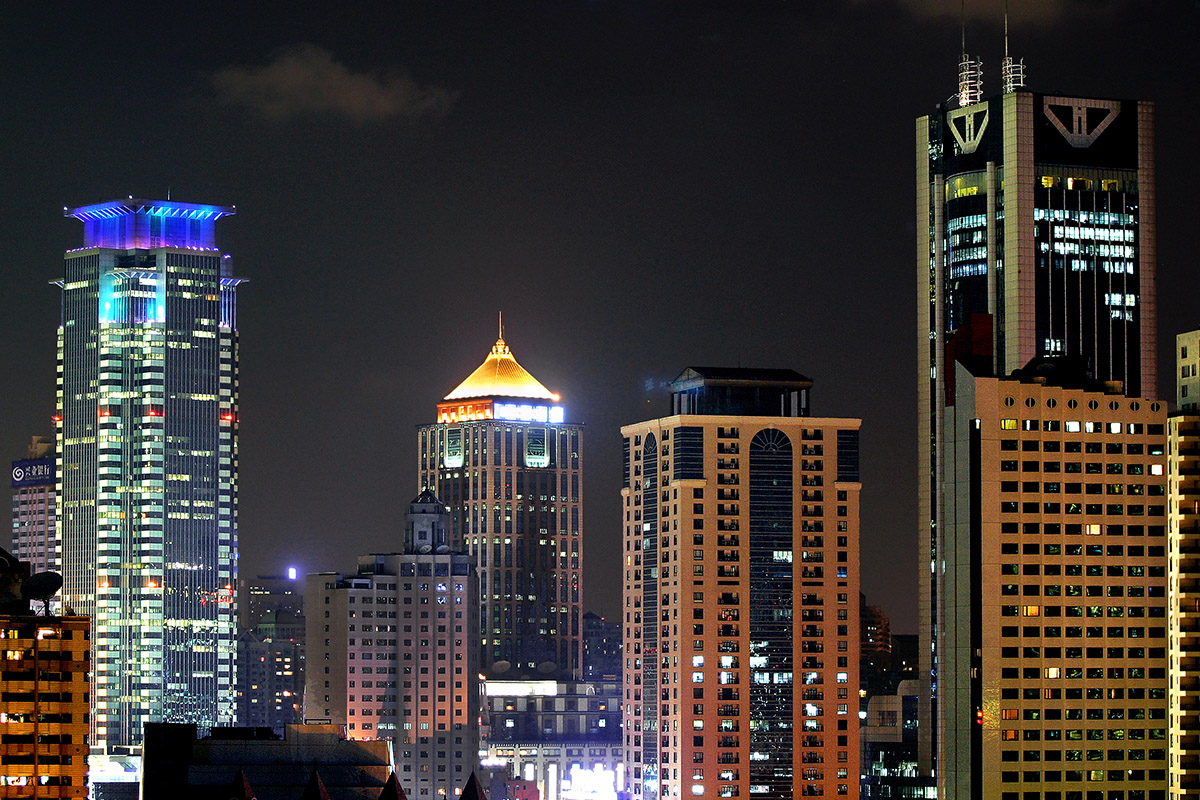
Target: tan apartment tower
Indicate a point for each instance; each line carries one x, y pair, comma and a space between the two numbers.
1183, 528
390, 653
1038, 211
740, 601
510, 469
1053, 596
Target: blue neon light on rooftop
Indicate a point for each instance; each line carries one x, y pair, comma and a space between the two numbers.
135, 223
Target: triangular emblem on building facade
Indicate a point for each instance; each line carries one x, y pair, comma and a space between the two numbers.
1080, 120
967, 125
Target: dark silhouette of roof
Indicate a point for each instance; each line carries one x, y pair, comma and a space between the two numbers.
392, 790
426, 497
473, 791
315, 790
240, 788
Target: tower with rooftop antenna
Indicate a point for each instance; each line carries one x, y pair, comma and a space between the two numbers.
1037, 228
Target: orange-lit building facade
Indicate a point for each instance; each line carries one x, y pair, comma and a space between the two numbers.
1183, 529
510, 469
44, 706
741, 593
1053, 593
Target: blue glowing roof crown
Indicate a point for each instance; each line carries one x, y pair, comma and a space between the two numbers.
135, 223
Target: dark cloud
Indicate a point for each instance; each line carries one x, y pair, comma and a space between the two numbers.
306, 79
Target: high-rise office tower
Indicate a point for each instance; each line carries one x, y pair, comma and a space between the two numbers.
510, 469
1183, 528
33, 507
1052, 602
148, 462
391, 653
1035, 219
740, 603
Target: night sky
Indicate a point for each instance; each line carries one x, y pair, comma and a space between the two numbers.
638, 186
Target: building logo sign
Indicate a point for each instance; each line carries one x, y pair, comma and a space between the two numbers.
968, 125
1080, 120
33, 472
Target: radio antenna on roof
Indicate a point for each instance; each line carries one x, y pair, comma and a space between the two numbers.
1011, 72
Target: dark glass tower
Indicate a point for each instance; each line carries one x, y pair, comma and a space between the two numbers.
147, 462
1036, 237
510, 469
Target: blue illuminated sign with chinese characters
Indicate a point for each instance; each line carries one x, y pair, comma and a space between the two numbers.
33, 472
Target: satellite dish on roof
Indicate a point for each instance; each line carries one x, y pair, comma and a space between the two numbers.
546, 667
443, 548
424, 549
42, 587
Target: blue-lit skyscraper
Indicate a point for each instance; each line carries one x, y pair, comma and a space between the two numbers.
148, 464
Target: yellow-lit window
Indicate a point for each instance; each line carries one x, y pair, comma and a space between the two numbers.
1008, 424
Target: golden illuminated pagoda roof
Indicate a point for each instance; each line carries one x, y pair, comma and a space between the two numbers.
501, 376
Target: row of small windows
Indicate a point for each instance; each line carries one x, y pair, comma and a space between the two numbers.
1072, 403
1075, 467
1054, 487
1081, 426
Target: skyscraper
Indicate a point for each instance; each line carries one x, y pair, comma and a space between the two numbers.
740, 602
148, 462
510, 469
1052, 603
391, 653
1036, 237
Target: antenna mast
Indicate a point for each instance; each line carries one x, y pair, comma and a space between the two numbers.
1011, 72
970, 71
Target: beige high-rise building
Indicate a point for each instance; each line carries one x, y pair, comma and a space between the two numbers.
1052, 599
390, 653
1036, 220
508, 465
740, 603
1183, 449
1187, 367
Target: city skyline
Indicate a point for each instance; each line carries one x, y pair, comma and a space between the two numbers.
557, 158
